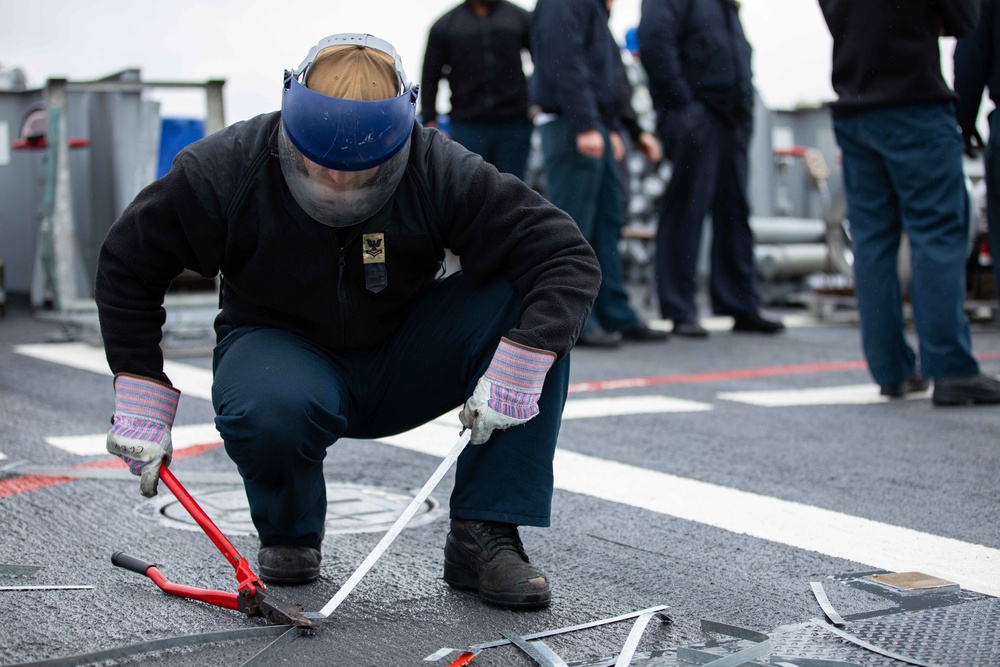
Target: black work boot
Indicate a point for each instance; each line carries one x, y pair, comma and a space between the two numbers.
288, 565
488, 557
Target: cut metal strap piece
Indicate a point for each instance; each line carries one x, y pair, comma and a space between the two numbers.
824, 603
395, 529
762, 645
157, 645
870, 647
475, 649
632, 641
537, 650
785, 661
265, 655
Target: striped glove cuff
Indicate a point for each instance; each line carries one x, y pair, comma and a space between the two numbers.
143, 399
516, 375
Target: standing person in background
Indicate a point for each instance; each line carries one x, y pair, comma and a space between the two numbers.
698, 63
477, 46
578, 86
902, 162
641, 140
977, 67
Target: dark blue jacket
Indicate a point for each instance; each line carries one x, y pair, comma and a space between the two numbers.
696, 50
977, 66
578, 69
886, 53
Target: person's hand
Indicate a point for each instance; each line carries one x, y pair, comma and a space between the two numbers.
590, 144
650, 147
973, 142
507, 395
140, 431
617, 147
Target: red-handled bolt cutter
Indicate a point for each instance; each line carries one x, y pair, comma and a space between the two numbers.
250, 598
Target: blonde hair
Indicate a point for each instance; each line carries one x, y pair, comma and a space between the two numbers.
353, 73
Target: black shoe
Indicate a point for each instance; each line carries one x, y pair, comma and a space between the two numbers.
488, 558
757, 323
288, 566
644, 334
689, 329
598, 337
911, 385
977, 389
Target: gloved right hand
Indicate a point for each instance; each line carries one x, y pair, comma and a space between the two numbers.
140, 431
507, 395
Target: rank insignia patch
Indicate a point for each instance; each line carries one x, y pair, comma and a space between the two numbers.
373, 246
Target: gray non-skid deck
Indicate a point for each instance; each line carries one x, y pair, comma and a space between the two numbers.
885, 466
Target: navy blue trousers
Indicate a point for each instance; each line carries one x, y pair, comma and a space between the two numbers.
709, 158
281, 401
504, 145
589, 191
903, 173
992, 159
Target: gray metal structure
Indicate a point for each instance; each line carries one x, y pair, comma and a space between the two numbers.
59, 202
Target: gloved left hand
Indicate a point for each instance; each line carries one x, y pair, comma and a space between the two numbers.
140, 431
507, 395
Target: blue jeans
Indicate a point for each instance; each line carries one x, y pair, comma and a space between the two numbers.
903, 173
504, 145
588, 190
281, 401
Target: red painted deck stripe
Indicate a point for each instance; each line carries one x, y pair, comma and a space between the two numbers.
16, 485
737, 374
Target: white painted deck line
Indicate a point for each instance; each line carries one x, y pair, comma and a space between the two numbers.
858, 394
191, 380
853, 538
94, 445
872, 543
583, 408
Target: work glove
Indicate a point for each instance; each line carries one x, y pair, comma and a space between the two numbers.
507, 395
140, 431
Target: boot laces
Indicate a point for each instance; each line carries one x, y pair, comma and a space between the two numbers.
501, 537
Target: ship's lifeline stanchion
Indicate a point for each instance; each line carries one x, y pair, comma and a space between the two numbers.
250, 597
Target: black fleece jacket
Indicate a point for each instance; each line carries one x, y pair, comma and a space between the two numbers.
481, 59
224, 207
886, 53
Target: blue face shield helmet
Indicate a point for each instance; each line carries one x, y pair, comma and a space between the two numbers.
343, 158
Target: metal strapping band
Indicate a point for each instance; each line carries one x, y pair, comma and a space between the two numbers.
871, 647
263, 657
656, 611
537, 650
396, 528
632, 642
824, 603
158, 645
761, 646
